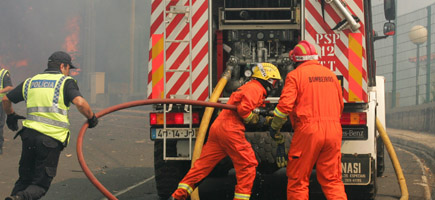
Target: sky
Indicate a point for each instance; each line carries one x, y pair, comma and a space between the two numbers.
406, 6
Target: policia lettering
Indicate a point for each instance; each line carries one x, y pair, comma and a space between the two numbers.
43, 84
48, 117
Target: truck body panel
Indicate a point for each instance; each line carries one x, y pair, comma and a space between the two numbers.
343, 52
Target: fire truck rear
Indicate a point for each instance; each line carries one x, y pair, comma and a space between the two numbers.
193, 42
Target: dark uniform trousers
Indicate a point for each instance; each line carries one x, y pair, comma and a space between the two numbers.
38, 164
2, 124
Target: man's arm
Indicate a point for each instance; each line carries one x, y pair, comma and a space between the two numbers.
83, 107
7, 105
6, 89
7, 83
288, 96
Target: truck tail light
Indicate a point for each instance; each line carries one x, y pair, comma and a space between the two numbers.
176, 118
358, 118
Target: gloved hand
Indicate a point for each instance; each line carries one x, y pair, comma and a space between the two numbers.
281, 158
252, 119
276, 135
268, 120
93, 121
12, 121
279, 138
277, 122
272, 132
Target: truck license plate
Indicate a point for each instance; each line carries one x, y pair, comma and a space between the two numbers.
172, 133
356, 170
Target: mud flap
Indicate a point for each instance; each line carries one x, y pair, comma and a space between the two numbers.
356, 169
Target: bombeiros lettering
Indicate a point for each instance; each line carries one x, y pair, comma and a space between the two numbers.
320, 79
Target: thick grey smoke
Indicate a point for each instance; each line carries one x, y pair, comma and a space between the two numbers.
95, 32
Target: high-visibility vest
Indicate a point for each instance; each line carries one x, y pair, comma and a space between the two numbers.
46, 110
2, 76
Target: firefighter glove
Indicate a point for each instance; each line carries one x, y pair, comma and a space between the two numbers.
277, 122
252, 119
272, 132
279, 138
93, 121
276, 135
268, 120
281, 160
12, 121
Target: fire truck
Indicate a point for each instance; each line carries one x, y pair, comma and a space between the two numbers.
194, 42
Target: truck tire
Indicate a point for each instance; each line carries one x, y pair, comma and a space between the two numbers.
380, 158
167, 173
265, 149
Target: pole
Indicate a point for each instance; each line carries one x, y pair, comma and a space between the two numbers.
428, 53
89, 68
417, 73
393, 98
132, 25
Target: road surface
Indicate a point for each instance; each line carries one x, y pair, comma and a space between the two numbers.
120, 154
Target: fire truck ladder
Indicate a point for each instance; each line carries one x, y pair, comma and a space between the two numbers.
168, 16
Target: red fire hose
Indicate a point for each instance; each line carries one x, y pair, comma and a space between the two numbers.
130, 104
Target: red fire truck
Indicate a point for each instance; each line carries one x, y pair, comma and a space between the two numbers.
192, 42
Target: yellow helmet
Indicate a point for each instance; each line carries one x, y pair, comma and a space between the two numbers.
266, 71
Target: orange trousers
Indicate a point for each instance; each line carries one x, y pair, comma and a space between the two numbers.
316, 143
226, 137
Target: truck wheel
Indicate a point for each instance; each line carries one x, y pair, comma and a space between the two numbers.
265, 149
380, 156
167, 173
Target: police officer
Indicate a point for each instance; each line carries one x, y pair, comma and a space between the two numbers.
45, 132
5, 86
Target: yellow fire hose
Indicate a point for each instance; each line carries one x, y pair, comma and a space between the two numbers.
394, 160
206, 120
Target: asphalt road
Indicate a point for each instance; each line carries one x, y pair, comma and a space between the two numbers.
120, 154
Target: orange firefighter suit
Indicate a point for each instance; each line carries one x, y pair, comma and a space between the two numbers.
312, 98
227, 138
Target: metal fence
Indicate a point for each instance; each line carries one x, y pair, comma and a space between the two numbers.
407, 60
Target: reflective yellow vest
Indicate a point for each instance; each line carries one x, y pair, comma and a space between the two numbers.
46, 110
2, 76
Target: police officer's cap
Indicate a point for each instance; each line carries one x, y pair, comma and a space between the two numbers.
61, 57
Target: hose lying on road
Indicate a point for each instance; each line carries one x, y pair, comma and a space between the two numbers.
106, 111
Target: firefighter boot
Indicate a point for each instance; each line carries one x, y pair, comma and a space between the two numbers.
14, 198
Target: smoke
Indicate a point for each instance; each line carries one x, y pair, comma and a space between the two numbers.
95, 33
29, 32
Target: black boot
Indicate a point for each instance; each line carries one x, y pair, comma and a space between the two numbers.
14, 198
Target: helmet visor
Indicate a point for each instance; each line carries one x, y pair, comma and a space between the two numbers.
272, 82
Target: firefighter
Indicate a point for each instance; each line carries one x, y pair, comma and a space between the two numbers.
227, 136
45, 132
5, 86
312, 99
